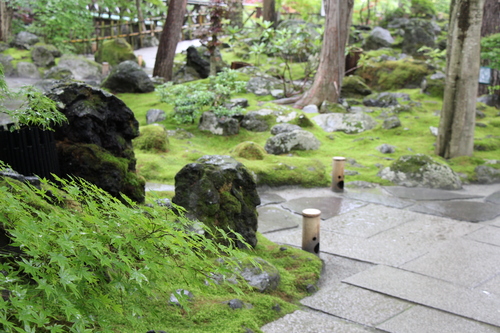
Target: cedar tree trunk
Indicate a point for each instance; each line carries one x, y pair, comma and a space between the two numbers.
456, 126
6, 14
269, 12
328, 79
169, 38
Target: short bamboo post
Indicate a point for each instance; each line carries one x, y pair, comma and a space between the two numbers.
105, 68
310, 230
338, 174
139, 60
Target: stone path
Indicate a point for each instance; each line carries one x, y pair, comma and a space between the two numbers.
395, 259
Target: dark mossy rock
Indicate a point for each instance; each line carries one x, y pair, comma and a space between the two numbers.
421, 170
97, 119
354, 87
128, 77
249, 150
417, 33
434, 84
153, 138
42, 56
220, 192
394, 74
98, 166
114, 52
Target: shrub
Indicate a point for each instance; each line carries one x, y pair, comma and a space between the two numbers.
153, 138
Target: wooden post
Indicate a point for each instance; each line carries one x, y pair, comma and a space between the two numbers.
338, 174
105, 68
310, 230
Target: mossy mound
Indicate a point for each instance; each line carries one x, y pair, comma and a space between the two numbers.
152, 138
249, 150
394, 74
115, 51
354, 87
487, 144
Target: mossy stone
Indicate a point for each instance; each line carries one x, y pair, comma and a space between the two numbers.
354, 87
152, 138
115, 51
249, 150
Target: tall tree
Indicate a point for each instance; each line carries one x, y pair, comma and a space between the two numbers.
169, 38
6, 13
328, 79
269, 12
457, 122
490, 26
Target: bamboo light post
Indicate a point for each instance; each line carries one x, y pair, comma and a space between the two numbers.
338, 174
310, 230
105, 68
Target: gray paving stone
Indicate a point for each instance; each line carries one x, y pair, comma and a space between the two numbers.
311, 322
356, 304
494, 198
386, 200
471, 211
430, 292
490, 287
329, 206
336, 268
270, 198
368, 221
460, 261
415, 318
273, 218
427, 194
393, 247
488, 234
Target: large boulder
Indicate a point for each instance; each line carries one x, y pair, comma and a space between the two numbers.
417, 33
421, 170
378, 38
25, 40
487, 175
128, 77
42, 56
81, 67
257, 121
8, 68
27, 70
197, 62
285, 142
114, 52
96, 143
350, 123
220, 192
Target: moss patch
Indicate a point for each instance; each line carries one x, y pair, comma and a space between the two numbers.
249, 150
152, 138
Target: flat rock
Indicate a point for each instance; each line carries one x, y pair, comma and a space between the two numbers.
270, 198
494, 198
377, 198
426, 194
273, 218
471, 211
329, 206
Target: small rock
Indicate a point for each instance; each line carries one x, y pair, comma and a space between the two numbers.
235, 304
386, 149
311, 288
391, 122
276, 307
434, 130
310, 109
155, 115
180, 293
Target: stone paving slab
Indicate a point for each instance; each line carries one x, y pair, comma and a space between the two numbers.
329, 206
356, 304
460, 261
336, 268
380, 199
494, 198
488, 234
427, 194
270, 198
274, 218
368, 221
311, 322
490, 287
430, 292
394, 247
471, 211
412, 321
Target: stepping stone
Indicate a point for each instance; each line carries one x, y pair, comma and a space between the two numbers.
272, 218
426, 194
270, 198
430, 292
471, 211
329, 206
494, 198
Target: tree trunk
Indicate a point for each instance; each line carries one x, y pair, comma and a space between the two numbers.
269, 12
457, 122
6, 14
169, 38
490, 26
235, 13
328, 79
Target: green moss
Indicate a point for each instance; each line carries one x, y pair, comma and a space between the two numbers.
115, 51
487, 143
303, 121
249, 150
411, 163
152, 138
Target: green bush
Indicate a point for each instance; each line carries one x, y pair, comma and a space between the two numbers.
153, 138
87, 257
490, 50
